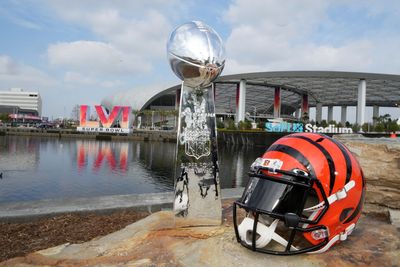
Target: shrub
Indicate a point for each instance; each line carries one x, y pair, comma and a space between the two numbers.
356, 128
365, 127
324, 123
231, 124
241, 125
220, 124
247, 125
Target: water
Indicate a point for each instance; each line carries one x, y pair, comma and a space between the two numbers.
37, 168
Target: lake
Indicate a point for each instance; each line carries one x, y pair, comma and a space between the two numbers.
37, 168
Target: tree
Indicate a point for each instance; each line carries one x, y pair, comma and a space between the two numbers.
247, 125
393, 126
241, 125
4, 117
261, 124
355, 127
324, 123
379, 128
385, 123
244, 125
75, 112
220, 124
365, 127
231, 124
305, 118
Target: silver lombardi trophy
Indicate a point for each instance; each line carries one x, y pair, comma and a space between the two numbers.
197, 56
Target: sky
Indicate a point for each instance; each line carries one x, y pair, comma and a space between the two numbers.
77, 52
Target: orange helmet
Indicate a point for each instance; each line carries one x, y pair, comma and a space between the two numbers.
304, 195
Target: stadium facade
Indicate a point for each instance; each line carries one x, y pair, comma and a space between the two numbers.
289, 95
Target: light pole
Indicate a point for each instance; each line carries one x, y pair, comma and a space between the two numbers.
152, 120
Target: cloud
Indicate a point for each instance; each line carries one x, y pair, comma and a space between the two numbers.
129, 37
279, 20
15, 74
94, 57
310, 35
8, 66
77, 78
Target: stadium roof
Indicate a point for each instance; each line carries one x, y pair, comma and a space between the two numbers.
331, 88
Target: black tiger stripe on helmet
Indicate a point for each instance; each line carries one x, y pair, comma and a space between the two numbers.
295, 154
328, 157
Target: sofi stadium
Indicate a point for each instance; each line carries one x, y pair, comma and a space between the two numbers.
288, 95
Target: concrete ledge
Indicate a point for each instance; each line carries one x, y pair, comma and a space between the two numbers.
25, 211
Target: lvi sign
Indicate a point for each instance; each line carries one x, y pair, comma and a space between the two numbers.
117, 121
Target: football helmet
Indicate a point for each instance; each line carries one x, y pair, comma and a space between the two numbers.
305, 194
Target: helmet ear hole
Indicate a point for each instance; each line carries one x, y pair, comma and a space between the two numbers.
345, 213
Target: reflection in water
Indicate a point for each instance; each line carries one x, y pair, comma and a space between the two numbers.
19, 154
235, 162
115, 154
43, 168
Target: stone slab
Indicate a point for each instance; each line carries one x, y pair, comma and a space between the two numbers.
154, 242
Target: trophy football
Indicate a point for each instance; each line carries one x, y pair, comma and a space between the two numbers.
197, 56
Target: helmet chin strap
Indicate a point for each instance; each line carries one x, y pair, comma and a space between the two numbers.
266, 233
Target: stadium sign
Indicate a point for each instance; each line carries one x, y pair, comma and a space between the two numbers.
330, 129
283, 126
117, 121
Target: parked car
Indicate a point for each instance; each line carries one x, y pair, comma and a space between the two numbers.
44, 126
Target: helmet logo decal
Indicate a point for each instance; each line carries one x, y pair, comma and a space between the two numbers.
269, 163
319, 234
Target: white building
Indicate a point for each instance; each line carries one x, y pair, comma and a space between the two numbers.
18, 101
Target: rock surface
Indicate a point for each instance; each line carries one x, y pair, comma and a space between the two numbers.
380, 161
154, 242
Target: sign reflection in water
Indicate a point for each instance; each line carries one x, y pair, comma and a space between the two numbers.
115, 154
46, 168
